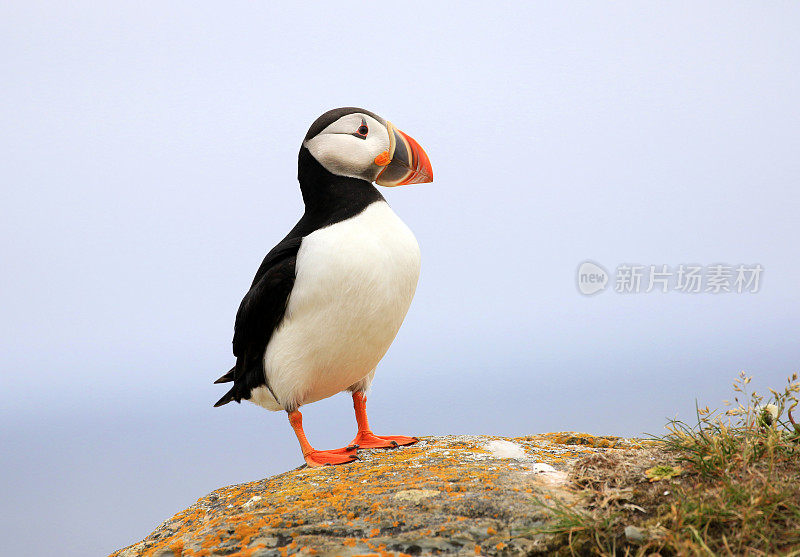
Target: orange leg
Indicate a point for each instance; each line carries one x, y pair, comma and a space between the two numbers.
365, 439
314, 457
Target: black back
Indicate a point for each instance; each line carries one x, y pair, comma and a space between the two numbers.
328, 199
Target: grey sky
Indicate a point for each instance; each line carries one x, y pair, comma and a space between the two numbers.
148, 164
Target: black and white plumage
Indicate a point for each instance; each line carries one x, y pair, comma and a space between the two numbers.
328, 300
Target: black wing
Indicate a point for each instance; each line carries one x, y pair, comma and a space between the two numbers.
260, 312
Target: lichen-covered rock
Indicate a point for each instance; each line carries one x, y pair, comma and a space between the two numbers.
468, 495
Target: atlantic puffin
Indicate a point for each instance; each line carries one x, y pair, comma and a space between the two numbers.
328, 300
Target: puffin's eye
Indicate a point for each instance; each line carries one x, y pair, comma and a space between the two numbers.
362, 130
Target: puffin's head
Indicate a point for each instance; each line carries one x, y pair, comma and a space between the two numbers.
356, 143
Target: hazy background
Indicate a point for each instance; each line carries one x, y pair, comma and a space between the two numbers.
148, 160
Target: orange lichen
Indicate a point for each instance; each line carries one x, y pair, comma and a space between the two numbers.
247, 552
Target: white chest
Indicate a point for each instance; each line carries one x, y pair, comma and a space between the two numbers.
355, 282
366, 261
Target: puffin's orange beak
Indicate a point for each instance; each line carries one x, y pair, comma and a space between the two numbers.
404, 163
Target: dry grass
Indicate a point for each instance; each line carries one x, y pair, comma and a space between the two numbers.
727, 485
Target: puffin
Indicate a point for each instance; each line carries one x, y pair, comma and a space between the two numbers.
328, 300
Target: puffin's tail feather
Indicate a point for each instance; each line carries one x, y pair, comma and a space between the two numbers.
229, 396
228, 377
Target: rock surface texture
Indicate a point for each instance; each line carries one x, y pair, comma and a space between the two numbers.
464, 495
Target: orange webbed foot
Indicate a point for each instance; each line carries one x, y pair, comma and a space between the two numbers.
368, 440
331, 458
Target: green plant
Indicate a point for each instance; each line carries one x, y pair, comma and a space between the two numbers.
736, 491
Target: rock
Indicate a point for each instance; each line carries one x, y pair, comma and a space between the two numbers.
634, 534
500, 448
415, 495
453, 494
